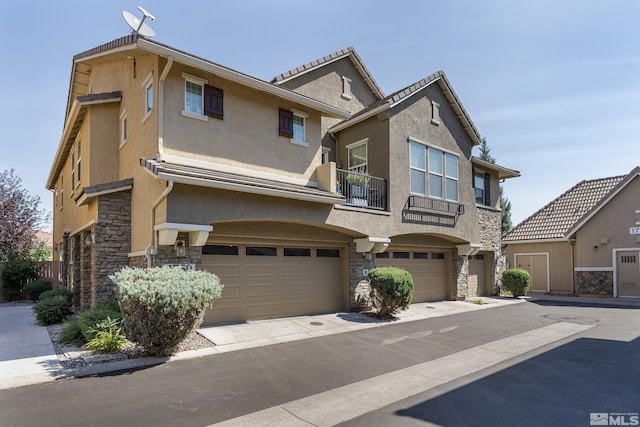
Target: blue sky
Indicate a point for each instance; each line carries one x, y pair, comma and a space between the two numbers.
554, 86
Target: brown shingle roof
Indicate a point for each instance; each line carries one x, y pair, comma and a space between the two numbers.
557, 218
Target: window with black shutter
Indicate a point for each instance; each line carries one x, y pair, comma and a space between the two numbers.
213, 98
286, 123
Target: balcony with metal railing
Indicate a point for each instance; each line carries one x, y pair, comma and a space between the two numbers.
362, 190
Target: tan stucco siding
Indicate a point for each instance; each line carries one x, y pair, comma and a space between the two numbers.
560, 267
102, 145
326, 84
609, 229
412, 119
258, 147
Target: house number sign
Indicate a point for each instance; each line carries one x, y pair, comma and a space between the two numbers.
634, 230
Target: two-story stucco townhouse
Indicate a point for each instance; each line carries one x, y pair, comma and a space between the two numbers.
289, 190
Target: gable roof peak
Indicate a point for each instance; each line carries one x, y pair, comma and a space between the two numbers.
347, 52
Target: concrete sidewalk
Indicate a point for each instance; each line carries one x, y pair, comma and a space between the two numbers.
26, 353
28, 357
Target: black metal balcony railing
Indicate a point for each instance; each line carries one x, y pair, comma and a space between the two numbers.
362, 190
438, 205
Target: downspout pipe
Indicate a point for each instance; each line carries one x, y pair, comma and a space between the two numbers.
152, 244
163, 77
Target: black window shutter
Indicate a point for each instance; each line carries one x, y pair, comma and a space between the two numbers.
286, 123
487, 189
213, 102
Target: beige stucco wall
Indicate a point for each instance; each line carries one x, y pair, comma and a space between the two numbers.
258, 147
560, 255
611, 224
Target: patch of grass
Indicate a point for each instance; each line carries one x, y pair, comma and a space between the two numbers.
478, 301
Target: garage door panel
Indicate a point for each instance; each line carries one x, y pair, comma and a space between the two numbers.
261, 269
261, 311
230, 291
260, 290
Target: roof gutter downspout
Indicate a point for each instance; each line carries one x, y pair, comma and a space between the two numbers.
152, 244
163, 77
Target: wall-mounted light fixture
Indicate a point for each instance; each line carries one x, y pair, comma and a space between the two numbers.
595, 248
180, 248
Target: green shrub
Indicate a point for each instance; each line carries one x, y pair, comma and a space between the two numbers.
36, 288
108, 337
17, 272
52, 310
391, 290
55, 292
516, 281
161, 306
83, 327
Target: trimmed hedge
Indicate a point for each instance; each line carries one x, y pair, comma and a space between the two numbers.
517, 281
391, 290
52, 310
36, 288
60, 291
18, 271
162, 306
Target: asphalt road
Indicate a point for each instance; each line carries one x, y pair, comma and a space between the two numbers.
559, 384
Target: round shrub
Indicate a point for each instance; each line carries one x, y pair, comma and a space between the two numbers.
162, 306
391, 290
57, 292
36, 288
52, 310
517, 281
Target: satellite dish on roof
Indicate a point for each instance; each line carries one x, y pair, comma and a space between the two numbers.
137, 25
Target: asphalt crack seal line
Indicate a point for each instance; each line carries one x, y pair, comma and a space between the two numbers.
353, 400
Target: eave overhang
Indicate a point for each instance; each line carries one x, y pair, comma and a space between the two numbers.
231, 182
72, 126
503, 173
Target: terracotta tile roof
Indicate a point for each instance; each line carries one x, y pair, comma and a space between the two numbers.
346, 52
557, 218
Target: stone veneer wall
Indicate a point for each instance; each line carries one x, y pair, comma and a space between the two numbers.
490, 227
358, 284
594, 283
460, 271
166, 255
112, 243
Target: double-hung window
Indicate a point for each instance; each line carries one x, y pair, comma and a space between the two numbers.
434, 172
202, 101
78, 162
481, 186
292, 124
357, 154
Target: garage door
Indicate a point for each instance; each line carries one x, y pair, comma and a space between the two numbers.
429, 271
628, 273
265, 282
477, 275
538, 267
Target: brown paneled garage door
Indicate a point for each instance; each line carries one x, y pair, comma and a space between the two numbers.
428, 268
265, 282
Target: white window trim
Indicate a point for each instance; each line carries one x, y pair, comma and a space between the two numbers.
304, 117
199, 81
346, 88
435, 113
145, 85
78, 148
364, 141
124, 128
444, 173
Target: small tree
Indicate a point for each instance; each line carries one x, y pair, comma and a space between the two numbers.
20, 216
162, 306
391, 290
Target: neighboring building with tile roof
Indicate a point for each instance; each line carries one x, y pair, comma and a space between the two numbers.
584, 240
